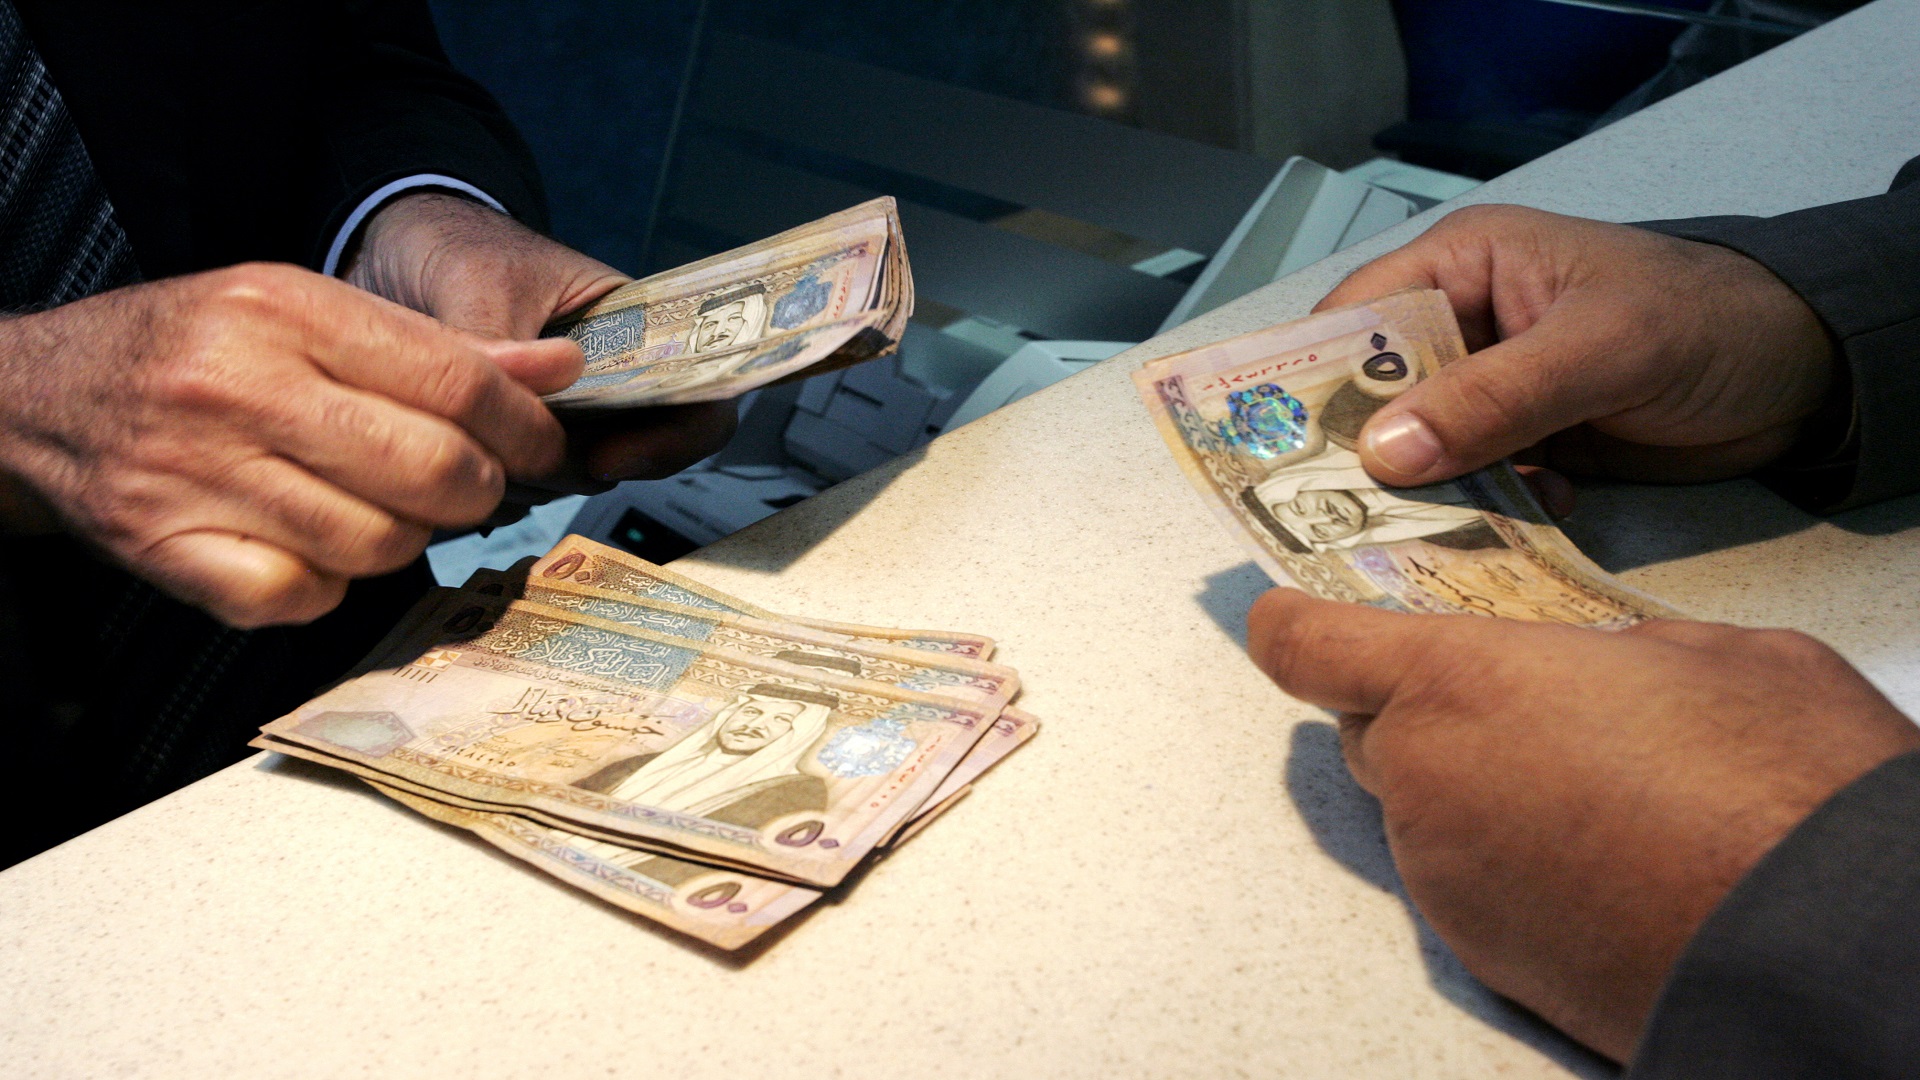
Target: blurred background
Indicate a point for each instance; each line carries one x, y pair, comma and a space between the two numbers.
1075, 175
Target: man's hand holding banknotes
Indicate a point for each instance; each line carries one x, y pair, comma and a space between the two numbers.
1568, 843
253, 438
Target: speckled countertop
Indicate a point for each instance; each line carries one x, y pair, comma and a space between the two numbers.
1175, 879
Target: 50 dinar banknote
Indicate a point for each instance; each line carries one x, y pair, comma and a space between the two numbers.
1266, 427
722, 754
831, 292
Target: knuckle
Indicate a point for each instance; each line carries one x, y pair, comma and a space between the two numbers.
1478, 216
1449, 682
391, 543
347, 421
170, 455
1505, 399
373, 431
1278, 638
1305, 648
450, 466
1795, 648
1467, 216
246, 294
125, 508
254, 287
454, 389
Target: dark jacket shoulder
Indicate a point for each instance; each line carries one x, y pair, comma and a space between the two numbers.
1811, 965
226, 131
1857, 265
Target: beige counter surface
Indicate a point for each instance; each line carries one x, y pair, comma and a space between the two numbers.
1175, 879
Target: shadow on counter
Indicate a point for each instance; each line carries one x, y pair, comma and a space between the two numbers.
1345, 821
1622, 526
1230, 594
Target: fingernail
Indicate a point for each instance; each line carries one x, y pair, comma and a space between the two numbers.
1404, 444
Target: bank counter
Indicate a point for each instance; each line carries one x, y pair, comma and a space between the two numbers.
1176, 878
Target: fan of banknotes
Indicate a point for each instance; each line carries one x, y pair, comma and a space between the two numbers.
828, 294
668, 748
1267, 426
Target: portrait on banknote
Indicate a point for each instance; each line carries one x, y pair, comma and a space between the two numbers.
1325, 504
736, 317
743, 767
719, 325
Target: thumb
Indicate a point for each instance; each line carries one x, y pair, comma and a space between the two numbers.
543, 366
1498, 401
1346, 657
517, 299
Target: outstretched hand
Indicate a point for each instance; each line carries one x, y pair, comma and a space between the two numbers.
1623, 352
252, 438
1567, 806
483, 272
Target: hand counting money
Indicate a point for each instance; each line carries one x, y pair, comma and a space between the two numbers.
1266, 427
828, 294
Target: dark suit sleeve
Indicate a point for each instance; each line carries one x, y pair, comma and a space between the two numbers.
1857, 264
398, 108
1811, 965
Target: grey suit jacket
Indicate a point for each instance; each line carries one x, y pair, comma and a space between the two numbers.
1811, 965
1857, 264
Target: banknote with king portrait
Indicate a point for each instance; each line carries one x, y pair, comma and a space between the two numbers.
721, 754
716, 328
1266, 427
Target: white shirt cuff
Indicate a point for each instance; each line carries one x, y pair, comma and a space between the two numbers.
386, 194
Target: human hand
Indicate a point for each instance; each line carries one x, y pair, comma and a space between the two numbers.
1566, 806
1627, 353
250, 439
474, 268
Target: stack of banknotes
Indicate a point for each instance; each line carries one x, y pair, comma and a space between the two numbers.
1266, 426
826, 295
670, 749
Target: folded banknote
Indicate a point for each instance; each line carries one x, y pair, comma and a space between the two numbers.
670, 749
830, 293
